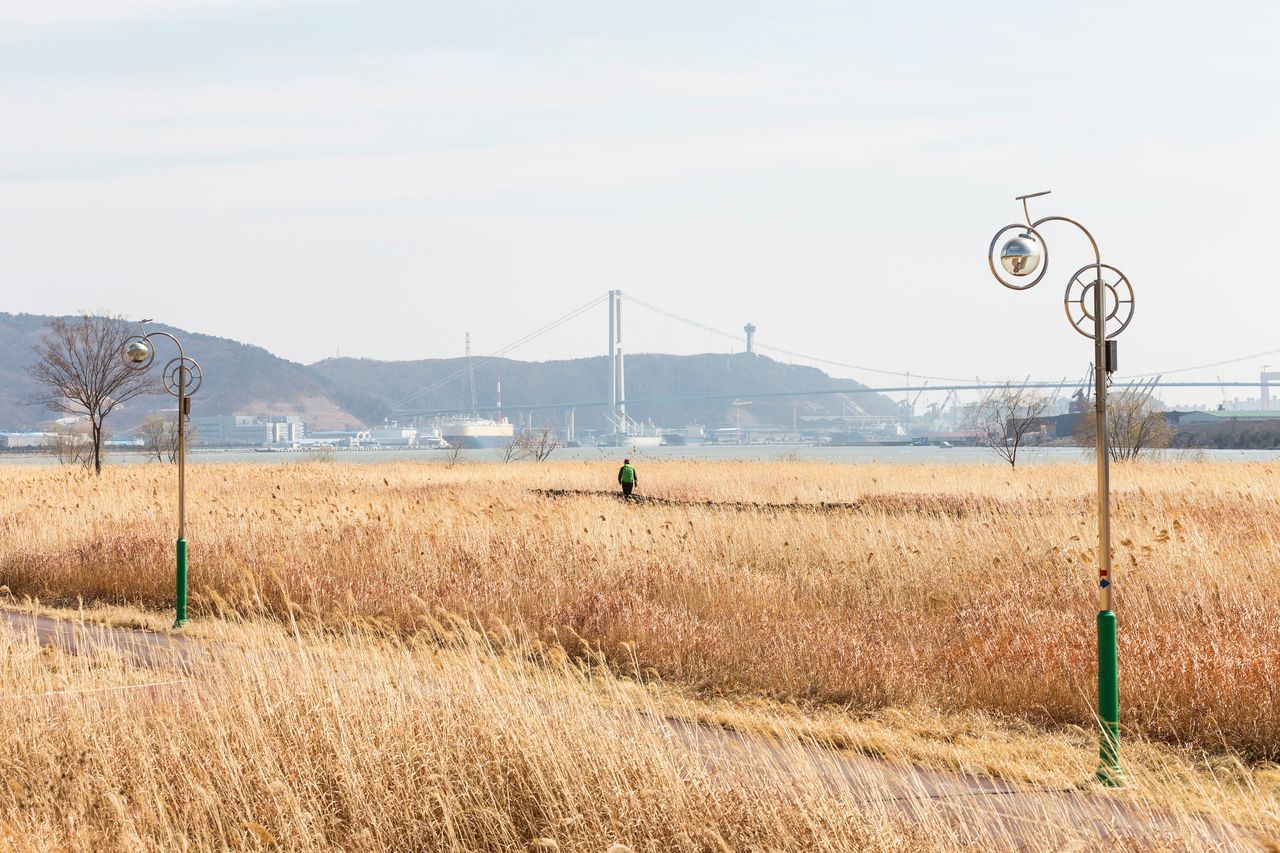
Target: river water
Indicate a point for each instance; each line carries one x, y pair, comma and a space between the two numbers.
752, 452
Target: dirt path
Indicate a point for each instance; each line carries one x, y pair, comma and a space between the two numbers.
980, 811
889, 503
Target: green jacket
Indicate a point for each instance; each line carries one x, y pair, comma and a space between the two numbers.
627, 474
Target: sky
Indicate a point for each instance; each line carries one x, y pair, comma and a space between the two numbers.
376, 179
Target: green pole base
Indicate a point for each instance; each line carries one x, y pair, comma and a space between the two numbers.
181, 586
1110, 777
1109, 771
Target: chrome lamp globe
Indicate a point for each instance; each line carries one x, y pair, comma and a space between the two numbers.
137, 353
1021, 255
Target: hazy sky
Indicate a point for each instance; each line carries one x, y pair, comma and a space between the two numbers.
381, 177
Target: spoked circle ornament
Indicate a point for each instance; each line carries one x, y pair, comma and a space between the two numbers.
1117, 299
1016, 252
181, 371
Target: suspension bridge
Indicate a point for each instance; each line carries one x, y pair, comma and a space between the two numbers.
897, 381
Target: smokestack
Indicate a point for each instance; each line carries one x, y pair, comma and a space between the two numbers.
750, 329
498, 400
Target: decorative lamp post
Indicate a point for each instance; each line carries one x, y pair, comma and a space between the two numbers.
1099, 305
182, 378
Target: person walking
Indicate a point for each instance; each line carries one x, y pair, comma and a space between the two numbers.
627, 478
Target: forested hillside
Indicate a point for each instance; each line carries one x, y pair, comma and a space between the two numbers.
245, 379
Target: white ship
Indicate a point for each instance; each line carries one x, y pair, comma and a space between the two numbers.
474, 433
618, 439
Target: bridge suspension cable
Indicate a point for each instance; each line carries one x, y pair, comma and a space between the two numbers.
537, 333
805, 356
674, 316
554, 324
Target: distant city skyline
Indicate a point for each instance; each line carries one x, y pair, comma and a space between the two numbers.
375, 179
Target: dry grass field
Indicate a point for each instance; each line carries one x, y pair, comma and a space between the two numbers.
845, 593
955, 587
272, 737
359, 743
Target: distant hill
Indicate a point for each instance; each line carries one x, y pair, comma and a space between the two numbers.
372, 388
238, 379
346, 392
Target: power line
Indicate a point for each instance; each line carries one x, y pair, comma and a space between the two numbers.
1206, 366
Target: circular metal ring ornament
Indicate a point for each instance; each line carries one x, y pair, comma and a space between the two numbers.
1117, 298
151, 352
172, 375
996, 266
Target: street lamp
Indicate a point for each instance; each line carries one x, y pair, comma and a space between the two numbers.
182, 378
1099, 305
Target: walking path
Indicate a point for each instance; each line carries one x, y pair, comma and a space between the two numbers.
143, 648
1024, 817
891, 504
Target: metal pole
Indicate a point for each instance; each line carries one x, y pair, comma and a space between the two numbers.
1109, 770
182, 378
181, 577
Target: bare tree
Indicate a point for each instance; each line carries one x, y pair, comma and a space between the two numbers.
1135, 424
154, 432
80, 372
320, 454
511, 449
1005, 417
72, 445
541, 444
455, 452
159, 435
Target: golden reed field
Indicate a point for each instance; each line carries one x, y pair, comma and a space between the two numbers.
961, 587
953, 605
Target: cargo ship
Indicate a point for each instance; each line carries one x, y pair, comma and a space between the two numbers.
477, 433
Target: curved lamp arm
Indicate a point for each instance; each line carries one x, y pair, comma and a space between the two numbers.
176, 342
1097, 256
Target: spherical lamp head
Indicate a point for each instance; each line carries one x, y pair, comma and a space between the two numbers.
1021, 255
137, 353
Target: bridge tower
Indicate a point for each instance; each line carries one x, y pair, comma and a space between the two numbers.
617, 365
613, 351
1265, 379
622, 367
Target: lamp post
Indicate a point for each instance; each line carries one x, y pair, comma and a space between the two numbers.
1099, 305
182, 378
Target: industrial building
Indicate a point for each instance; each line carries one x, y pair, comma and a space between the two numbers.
247, 430
27, 440
394, 436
